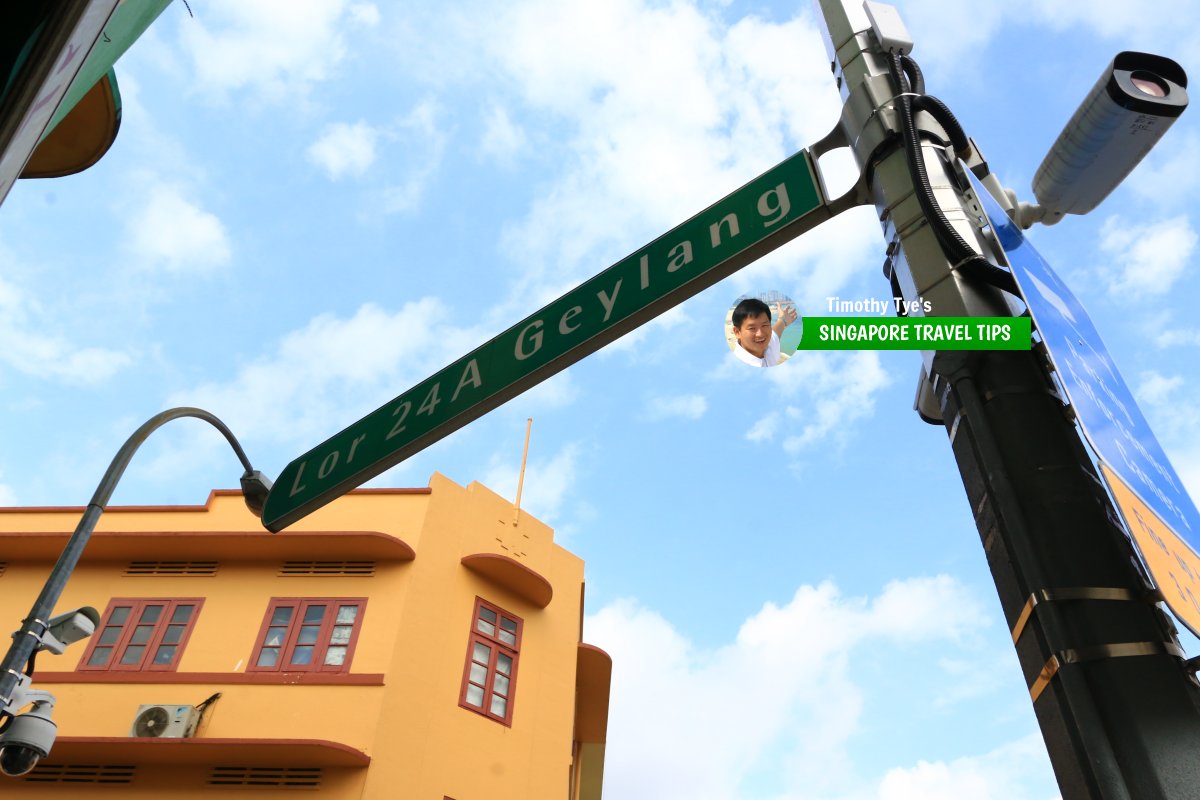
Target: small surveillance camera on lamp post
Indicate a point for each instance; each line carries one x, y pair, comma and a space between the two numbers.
28, 737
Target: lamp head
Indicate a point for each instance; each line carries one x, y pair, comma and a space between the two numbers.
1131, 106
255, 488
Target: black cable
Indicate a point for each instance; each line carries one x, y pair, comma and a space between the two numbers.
901, 311
203, 704
954, 245
963, 257
939, 110
913, 72
942, 113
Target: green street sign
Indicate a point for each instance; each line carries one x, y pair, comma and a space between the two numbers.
767, 212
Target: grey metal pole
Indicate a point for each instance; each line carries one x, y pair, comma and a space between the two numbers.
1118, 709
26, 639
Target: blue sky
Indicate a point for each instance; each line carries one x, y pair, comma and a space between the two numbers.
313, 205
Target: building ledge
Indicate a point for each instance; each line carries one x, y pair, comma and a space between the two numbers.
262, 678
185, 508
207, 752
225, 545
512, 575
593, 680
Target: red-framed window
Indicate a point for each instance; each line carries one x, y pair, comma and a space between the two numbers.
308, 634
490, 678
141, 634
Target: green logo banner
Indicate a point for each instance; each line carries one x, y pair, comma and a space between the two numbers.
915, 333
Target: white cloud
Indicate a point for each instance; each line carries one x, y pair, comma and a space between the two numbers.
278, 48
400, 157
502, 138
1155, 388
648, 129
655, 134
690, 406
8, 498
25, 345
1186, 460
691, 722
1170, 173
344, 149
647, 343
1117, 19
423, 142
1146, 260
948, 34
823, 393
171, 232
556, 392
322, 372
639, 131
563, 51
320, 378
365, 14
951, 38
764, 430
822, 262
1175, 422
967, 679
999, 775
1181, 336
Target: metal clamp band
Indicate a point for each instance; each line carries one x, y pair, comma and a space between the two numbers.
888, 105
4, 701
1080, 593
1094, 653
955, 266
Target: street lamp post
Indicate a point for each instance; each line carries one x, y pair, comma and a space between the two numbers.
1118, 707
39, 632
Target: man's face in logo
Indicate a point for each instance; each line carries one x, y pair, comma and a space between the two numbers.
755, 334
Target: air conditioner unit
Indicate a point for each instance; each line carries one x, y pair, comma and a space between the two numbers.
165, 721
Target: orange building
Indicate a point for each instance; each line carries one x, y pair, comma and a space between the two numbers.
399, 643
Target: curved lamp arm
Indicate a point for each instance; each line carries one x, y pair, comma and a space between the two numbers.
254, 487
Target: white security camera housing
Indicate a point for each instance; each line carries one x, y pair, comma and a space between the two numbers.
1136, 99
68, 628
27, 739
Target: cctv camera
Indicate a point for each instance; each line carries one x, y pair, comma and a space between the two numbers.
68, 628
1136, 99
27, 739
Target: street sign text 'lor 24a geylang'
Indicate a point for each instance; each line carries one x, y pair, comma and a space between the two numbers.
767, 212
